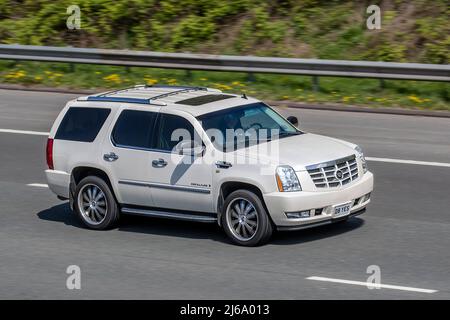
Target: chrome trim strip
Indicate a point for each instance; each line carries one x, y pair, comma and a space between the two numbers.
134, 183
169, 215
123, 146
330, 163
179, 188
165, 186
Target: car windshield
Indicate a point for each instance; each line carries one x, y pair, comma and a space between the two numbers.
246, 125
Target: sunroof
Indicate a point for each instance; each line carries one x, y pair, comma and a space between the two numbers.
207, 98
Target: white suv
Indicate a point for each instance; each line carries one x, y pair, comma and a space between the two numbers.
198, 154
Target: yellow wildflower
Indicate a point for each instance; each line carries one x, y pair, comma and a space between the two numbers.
150, 81
114, 78
415, 99
222, 86
15, 74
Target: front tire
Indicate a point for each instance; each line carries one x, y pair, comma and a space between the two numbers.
245, 219
95, 204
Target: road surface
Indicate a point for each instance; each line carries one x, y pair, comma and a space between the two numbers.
405, 232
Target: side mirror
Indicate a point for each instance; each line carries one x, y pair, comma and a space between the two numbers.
189, 148
293, 120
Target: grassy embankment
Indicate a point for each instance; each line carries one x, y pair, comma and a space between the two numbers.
412, 31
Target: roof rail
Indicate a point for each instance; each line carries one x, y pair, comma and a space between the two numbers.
124, 100
105, 97
182, 89
171, 86
121, 90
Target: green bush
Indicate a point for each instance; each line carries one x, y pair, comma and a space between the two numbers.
412, 30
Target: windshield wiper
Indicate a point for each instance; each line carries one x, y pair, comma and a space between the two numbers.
287, 133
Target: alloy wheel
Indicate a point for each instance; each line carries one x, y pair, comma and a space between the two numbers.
242, 219
92, 204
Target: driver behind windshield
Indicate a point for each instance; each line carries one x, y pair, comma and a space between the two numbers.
245, 122
232, 120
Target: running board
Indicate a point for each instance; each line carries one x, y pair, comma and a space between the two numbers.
169, 215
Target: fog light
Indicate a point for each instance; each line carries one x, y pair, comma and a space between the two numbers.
366, 197
298, 214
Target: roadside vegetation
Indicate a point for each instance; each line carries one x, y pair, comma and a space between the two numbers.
362, 92
412, 31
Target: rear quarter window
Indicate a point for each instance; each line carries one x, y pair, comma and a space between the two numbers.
82, 124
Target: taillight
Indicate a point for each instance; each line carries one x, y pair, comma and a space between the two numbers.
49, 153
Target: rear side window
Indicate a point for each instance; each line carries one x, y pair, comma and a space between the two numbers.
134, 129
82, 124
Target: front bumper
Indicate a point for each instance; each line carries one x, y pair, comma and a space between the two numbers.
321, 223
279, 203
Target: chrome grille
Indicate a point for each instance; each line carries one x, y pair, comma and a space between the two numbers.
334, 173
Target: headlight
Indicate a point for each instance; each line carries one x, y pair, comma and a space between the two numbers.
287, 179
360, 155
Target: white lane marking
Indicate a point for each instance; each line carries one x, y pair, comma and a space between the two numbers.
422, 163
39, 185
36, 133
361, 283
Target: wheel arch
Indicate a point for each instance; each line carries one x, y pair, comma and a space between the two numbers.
81, 172
227, 187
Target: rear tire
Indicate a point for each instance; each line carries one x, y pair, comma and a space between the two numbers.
245, 219
95, 205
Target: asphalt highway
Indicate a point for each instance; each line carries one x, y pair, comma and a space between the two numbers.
405, 232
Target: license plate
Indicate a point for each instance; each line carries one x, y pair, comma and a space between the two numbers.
342, 209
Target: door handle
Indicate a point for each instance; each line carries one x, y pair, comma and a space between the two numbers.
110, 157
223, 164
159, 163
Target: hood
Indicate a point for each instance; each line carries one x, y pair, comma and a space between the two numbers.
299, 151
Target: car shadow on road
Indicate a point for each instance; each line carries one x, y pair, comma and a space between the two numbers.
60, 213
139, 224
194, 230
172, 228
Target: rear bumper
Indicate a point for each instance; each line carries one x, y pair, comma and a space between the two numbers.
279, 203
58, 182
